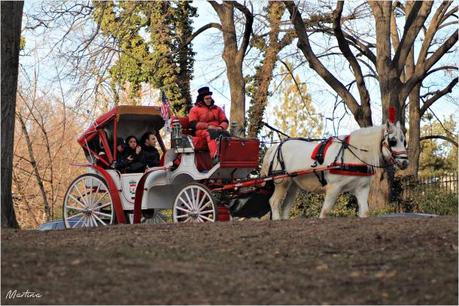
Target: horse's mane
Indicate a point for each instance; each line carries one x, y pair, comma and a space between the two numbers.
368, 138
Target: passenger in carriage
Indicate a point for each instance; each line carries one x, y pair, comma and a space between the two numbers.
150, 153
208, 120
121, 158
134, 156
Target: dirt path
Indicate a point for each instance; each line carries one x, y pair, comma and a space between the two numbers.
303, 261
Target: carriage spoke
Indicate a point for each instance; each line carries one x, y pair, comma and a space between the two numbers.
103, 205
207, 211
193, 199
187, 220
102, 214
94, 220
201, 200
78, 222
97, 190
100, 220
100, 198
81, 195
186, 204
208, 219
89, 221
78, 201
75, 208
207, 203
183, 216
90, 197
75, 215
183, 209
191, 203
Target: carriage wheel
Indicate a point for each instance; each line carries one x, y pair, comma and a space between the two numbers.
195, 204
88, 203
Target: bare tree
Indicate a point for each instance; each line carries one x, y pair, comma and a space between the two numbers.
11, 20
233, 55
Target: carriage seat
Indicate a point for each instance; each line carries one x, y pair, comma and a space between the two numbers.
201, 151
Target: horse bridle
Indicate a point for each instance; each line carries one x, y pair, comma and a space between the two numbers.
394, 154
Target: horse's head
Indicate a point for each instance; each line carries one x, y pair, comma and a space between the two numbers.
394, 145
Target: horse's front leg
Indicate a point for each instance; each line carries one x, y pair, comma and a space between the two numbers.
331, 195
362, 199
277, 199
289, 200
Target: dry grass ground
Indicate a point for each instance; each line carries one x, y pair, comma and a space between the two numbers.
302, 261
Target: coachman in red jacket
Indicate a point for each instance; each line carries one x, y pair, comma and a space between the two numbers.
208, 120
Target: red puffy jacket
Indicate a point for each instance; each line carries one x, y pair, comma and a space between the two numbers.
202, 116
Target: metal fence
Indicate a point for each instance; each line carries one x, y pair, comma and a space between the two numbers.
446, 183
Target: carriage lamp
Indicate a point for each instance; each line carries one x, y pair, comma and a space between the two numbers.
176, 135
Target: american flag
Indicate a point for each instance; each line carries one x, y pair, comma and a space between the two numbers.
165, 107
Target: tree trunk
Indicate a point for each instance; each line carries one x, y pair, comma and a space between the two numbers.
414, 132
234, 57
380, 190
260, 99
11, 19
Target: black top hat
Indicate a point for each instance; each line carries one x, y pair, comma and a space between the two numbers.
204, 91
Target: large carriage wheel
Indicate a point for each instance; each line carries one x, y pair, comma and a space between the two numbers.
88, 203
194, 203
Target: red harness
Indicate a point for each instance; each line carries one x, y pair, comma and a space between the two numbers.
354, 169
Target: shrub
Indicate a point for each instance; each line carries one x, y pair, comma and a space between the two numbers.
308, 205
432, 201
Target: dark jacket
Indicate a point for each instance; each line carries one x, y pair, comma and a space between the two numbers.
150, 156
137, 164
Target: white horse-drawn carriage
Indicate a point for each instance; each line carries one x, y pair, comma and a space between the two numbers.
189, 187
182, 183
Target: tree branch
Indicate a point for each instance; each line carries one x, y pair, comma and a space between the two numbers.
449, 139
422, 70
437, 95
431, 31
344, 47
247, 29
316, 64
414, 22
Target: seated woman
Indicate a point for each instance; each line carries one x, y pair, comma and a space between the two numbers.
150, 153
134, 156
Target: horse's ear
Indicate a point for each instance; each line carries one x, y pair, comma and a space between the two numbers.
398, 125
389, 126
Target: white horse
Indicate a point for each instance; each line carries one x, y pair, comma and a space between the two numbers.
377, 146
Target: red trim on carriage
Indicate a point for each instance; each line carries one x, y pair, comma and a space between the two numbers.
139, 193
113, 193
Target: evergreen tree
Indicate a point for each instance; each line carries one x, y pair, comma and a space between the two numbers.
151, 37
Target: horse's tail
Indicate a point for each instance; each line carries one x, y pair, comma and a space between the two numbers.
269, 156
